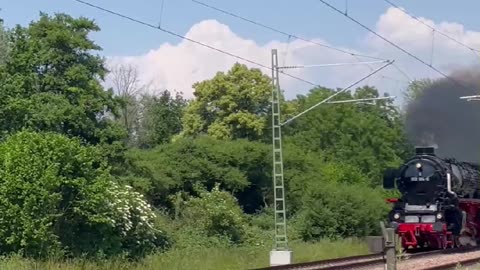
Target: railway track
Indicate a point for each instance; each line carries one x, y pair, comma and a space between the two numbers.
331, 263
448, 261
377, 261
454, 265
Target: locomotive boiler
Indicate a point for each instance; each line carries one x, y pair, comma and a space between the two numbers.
439, 206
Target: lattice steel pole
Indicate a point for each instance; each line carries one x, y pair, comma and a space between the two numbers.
280, 254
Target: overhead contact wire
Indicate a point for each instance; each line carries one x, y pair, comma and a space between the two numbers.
393, 44
431, 27
282, 32
194, 41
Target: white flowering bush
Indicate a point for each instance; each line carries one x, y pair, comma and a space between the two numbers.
133, 219
58, 198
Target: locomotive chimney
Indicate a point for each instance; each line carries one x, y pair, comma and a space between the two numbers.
425, 150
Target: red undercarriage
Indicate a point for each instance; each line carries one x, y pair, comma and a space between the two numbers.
415, 235
419, 234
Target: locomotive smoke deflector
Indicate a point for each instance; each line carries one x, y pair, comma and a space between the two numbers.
389, 178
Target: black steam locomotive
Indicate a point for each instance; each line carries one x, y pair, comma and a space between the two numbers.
439, 203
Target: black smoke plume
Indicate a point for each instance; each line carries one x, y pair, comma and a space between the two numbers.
440, 118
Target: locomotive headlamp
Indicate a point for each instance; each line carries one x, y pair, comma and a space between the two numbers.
396, 216
439, 216
418, 165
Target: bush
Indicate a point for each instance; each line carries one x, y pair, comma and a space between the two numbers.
240, 166
58, 198
215, 213
333, 210
303, 168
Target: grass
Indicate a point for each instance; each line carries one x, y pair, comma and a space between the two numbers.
473, 267
202, 259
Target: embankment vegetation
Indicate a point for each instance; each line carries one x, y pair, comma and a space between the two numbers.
96, 178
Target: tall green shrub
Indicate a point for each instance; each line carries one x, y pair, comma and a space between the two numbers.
331, 210
58, 198
215, 213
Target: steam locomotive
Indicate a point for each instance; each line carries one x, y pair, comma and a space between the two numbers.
439, 206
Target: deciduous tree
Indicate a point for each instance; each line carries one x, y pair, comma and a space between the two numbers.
127, 87
4, 46
231, 105
161, 118
415, 89
52, 81
370, 137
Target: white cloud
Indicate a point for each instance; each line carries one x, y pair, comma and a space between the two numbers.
416, 38
177, 67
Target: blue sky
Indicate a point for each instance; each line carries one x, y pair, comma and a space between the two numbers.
307, 18
148, 48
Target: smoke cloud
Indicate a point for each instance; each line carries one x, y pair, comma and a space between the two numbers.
440, 118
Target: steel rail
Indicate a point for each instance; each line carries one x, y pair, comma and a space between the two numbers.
455, 265
363, 261
369, 257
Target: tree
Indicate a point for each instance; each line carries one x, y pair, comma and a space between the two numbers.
240, 166
231, 105
4, 47
58, 198
161, 118
52, 81
125, 80
370, 137
415, 89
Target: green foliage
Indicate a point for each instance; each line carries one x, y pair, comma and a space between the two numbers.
302, 166
214, 213
333, 210
369, 137
202, 258
240, 166
4, 46
161, 118
184, 234
51, 81
243, 168
230, 106
415, 90
57, 198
